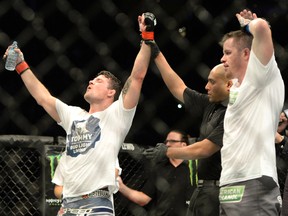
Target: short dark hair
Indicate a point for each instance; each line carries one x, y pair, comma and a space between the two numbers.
115, 83
242, 39
184, 135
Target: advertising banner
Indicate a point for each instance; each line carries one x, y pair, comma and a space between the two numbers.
52, 156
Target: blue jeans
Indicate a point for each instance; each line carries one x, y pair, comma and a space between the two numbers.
84, 207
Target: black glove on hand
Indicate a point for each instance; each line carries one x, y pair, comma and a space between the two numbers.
150, 21
157, 154
148, 34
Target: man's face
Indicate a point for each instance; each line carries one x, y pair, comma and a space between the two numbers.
217, 86
98, 89
174, 140
232, 58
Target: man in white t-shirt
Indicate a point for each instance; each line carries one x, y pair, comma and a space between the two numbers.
94, 137
58, 180
249, 184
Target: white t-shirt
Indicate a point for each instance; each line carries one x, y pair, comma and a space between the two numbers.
92, 145
250, 124
58, 178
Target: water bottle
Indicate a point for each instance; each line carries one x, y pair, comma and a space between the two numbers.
11, 58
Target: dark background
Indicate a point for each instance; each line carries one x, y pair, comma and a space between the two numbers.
66, 43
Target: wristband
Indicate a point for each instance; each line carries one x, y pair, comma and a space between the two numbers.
147, 35
22, 67
246, 28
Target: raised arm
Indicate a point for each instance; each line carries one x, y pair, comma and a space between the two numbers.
174, 83
262, 44
132, 88
38, 91
133, 85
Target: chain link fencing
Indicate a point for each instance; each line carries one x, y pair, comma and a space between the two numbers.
27, 164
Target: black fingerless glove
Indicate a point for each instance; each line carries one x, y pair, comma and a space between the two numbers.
150, 22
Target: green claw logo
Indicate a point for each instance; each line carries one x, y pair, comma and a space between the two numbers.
53, 159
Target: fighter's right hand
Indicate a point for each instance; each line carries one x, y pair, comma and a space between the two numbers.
21, 65
20, 55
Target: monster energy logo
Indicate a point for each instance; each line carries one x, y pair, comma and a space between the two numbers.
53, 164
